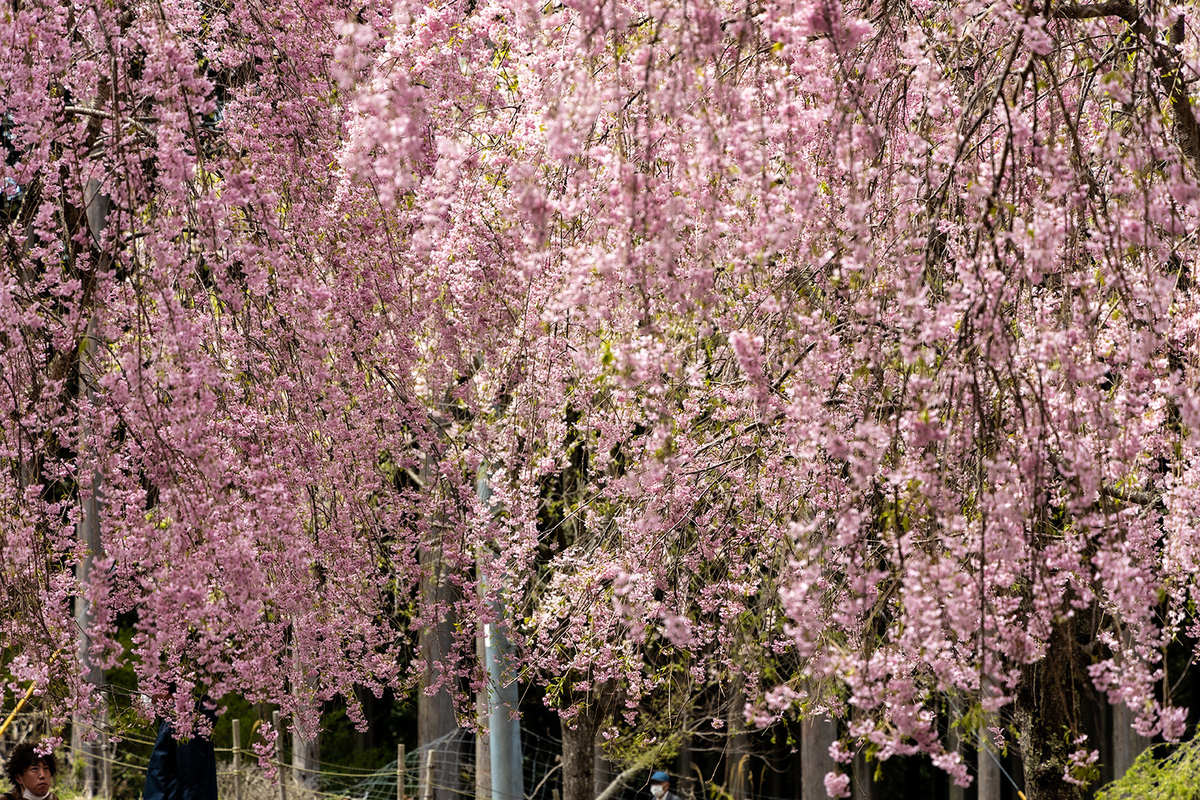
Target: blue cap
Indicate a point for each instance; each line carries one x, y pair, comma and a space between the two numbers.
660, 777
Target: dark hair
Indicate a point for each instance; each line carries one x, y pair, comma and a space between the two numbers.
25, 756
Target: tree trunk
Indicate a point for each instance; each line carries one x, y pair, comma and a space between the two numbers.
87, 753
1046, 713
578, 757
737, 750
1128, 744
956, 792
435, 713
580, 754
862, 777
306, 751
686, 761
306, 761
815, 737
795, 774
365, 740
1187, 130
987, 776
863, 784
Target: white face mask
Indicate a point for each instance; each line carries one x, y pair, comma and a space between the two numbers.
658, 790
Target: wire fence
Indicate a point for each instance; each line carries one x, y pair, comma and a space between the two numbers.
444, 769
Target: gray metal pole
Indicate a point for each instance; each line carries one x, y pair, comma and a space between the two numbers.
504, 729
508, 780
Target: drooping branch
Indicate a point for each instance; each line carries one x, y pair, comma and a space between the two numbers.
1166, 60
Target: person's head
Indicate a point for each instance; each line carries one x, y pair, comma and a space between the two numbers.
660, 782
28, 769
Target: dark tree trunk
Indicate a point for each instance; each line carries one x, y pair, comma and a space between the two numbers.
1187, 130
578, 758
1047, 715
435, 714
737, 750
579, 743
365, 740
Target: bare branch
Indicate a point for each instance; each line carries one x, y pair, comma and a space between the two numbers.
1112, 8
1135, 496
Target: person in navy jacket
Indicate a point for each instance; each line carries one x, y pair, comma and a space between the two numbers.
182, 770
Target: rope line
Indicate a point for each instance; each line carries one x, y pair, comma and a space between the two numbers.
451, 771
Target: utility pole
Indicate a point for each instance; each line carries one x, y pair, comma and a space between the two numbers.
504, 729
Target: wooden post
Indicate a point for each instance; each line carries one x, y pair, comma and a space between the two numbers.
400, 772
427, 778
237, 758
279, 755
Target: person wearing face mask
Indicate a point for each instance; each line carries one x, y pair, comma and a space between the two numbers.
660, 787
31, 773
